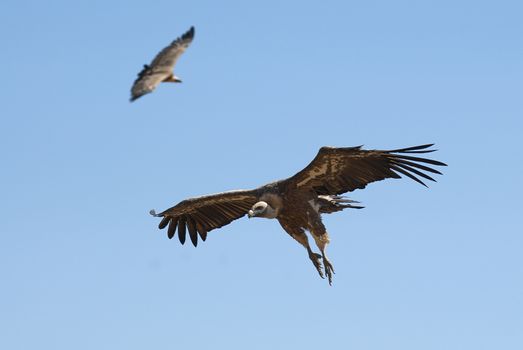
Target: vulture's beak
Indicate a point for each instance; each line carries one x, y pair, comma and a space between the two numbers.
250, 214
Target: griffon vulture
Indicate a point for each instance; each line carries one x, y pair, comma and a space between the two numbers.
161, 68
298, 202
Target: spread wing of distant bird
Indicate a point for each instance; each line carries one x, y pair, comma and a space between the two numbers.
298, 202
161, 68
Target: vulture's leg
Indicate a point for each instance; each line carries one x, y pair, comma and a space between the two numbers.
322, 241
300, 236
315, 258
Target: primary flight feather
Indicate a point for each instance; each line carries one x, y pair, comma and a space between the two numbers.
161, 68
298, 202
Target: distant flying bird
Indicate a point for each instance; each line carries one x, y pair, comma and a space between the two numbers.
298, 202
161, 68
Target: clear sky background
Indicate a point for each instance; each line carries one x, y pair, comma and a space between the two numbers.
82, 263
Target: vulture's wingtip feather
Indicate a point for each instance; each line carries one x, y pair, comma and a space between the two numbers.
153, 213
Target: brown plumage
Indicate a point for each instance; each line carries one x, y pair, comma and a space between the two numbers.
161, 68
298, 202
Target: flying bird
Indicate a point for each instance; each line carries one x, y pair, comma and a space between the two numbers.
161, 68
298, 202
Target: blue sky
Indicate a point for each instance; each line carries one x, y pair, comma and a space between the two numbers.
266, 84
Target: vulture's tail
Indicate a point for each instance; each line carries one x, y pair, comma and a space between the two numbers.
333, 203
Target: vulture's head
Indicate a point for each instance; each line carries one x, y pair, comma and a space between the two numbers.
262, 210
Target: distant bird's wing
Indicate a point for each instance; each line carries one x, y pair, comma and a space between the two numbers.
338, 170
166, 59
203, 214
161, 67
146, 83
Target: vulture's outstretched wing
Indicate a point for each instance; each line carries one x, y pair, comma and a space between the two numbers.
161, 67
203, 214
340, 170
